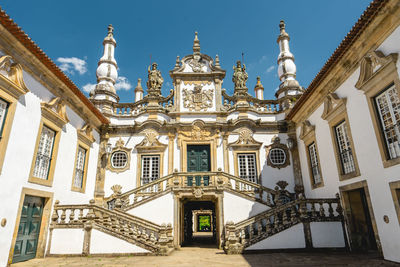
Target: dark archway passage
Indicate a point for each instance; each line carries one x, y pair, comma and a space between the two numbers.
199, 224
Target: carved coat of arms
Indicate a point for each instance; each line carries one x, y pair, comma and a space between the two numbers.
197, 99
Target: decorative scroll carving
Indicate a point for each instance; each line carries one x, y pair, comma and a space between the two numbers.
13, 72
196, 133
86, 134
333, 105
197, 99
150, 142
56, 111
196, 64
372, 63
245, 141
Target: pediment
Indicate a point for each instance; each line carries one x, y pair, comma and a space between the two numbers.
373, 63
245, 141
85, 134
333, 105
12, 73
55, 111
150, 142
307, 129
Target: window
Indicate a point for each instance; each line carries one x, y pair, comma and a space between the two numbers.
150, 168
3, 114
247, 167
388, 106
314, 164
277, 156
80, 167
119, 159
44, 153
344, 148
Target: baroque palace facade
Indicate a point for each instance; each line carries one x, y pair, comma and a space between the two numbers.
313, 168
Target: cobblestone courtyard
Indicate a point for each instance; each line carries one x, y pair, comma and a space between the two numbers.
210, 257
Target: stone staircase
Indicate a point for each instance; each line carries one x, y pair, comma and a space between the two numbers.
189, 181
157, 239
273, 221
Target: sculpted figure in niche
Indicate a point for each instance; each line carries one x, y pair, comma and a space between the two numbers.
155, 80
239, 75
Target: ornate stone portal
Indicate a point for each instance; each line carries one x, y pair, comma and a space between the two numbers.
198, 99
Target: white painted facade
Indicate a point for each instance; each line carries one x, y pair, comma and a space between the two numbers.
238, 131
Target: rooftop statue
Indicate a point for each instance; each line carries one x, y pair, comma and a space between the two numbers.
239, 75
155, 80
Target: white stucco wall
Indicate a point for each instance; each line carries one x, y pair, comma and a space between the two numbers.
67, 241
368, 157
159, 210
289, 238
327, 234
19, 155
104, 243
237, 209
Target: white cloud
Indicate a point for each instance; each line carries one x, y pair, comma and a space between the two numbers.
72, 65
88, 87
122, 84
271, 68
262, 59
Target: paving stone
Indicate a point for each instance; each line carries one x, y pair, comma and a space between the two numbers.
211, 257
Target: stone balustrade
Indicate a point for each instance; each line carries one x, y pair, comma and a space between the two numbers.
250, 231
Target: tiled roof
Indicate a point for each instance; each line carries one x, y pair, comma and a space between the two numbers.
26, 41
362, 23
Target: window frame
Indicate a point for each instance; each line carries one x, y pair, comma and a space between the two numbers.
236, 154
150, 170
373, 80
308, 136
395, 188
53, 160
85, 167
140, 154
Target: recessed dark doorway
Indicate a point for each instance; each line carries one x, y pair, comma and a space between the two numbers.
199, 224
361, 231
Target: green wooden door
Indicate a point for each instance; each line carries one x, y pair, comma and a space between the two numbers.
29, 228
198, 160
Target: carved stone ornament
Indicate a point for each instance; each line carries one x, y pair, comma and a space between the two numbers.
197, 99
306, 129
333, 105
155, 81
86, 134
119, 148
245, 141
116, 189
55, 111
196, 64
150, 142
196, 133
13, 73
198, 192
277, 154
239, 75
372, 63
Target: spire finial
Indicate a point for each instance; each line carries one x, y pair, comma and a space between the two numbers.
110, 30
196, 44
217, 61
177, 62
282, 26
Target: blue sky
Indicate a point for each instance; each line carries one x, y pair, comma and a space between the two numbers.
71, 33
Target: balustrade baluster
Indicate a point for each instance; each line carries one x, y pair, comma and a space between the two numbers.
321, 210
63, 216
330, 210
293, 214
80, 216
284, 218
313, 211
276, 222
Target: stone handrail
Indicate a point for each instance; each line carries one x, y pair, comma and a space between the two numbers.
252, 230
138, 107
264, 106
188, 180
155, 238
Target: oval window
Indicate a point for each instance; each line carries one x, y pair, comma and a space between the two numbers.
119, 159
277, 156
